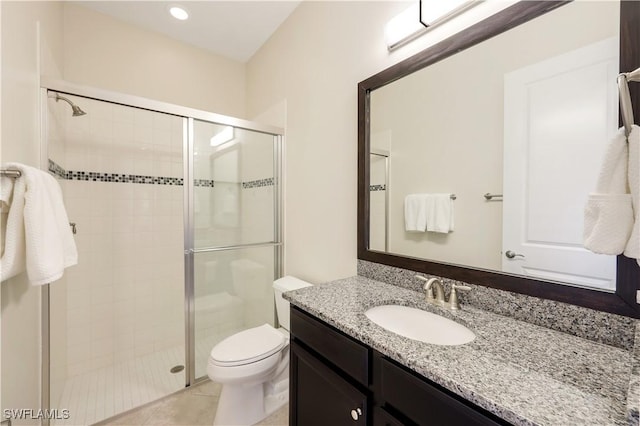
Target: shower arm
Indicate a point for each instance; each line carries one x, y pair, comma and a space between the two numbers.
57, 97
77, 111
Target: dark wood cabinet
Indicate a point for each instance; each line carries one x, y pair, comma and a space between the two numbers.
321, 396
419, 401
337, 380
382, 417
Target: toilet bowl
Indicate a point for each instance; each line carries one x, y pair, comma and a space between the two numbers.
253, 366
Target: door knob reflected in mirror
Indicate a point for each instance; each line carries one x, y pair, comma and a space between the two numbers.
511, 254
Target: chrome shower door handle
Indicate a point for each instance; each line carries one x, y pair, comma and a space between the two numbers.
511, 254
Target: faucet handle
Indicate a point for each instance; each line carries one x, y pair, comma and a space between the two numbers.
454, 303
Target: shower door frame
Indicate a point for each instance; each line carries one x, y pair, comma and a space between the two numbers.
189, 235
188, 115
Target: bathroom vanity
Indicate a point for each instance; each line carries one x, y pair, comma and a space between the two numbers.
337, 380
347, 370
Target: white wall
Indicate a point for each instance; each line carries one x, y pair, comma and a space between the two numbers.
24, 57
103, 52
312, 65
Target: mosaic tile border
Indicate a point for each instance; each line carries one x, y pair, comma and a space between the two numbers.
203, 182
122, 178
59, 171
258, 183
373, 188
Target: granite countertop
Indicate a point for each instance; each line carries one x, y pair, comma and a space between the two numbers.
523, 373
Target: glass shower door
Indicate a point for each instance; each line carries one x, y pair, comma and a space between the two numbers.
236, 237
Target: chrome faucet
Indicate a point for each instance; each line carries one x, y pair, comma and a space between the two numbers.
439, 299
429, 287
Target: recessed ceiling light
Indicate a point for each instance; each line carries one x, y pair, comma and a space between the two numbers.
179, 13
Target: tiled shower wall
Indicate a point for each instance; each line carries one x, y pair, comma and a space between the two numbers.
125, 297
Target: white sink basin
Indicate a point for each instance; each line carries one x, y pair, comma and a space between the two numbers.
420, 325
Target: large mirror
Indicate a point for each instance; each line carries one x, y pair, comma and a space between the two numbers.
502, 142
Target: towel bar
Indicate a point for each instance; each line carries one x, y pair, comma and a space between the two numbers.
11, 173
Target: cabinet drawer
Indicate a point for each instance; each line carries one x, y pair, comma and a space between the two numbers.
339, 349
423, 402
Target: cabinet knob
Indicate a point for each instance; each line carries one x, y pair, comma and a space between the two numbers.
355, 414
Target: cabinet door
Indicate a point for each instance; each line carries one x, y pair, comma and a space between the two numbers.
319, 396
382, 418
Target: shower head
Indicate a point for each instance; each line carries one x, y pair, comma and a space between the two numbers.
77, 111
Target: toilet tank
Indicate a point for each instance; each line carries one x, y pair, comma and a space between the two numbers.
280, 286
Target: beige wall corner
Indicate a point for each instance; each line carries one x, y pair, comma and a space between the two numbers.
103, 52
315, 61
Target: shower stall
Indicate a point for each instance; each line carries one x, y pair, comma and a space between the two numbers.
176, 214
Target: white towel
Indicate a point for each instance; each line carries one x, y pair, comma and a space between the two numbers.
439, 213
13, 260
608, 215
38, 234
632, 249
428, 212
415, 212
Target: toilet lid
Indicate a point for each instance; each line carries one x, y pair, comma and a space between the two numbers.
248, 346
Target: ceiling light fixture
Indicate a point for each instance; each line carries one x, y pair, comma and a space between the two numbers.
420, 17
179, 13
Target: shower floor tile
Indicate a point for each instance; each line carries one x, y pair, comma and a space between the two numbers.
107, 392
103, 393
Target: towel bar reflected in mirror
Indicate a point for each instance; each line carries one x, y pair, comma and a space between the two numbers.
490, 196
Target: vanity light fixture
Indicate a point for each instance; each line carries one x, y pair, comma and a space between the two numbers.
420, 17
433, 12
179, 13
404, 27
225, 135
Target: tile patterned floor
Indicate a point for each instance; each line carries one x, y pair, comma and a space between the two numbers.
109, 391
193, 406
103, 393
144, 392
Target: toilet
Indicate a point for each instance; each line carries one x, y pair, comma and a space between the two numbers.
253, 366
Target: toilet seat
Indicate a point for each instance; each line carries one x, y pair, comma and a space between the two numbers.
248, 346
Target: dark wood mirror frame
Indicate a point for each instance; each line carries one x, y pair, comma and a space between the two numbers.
623, 301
